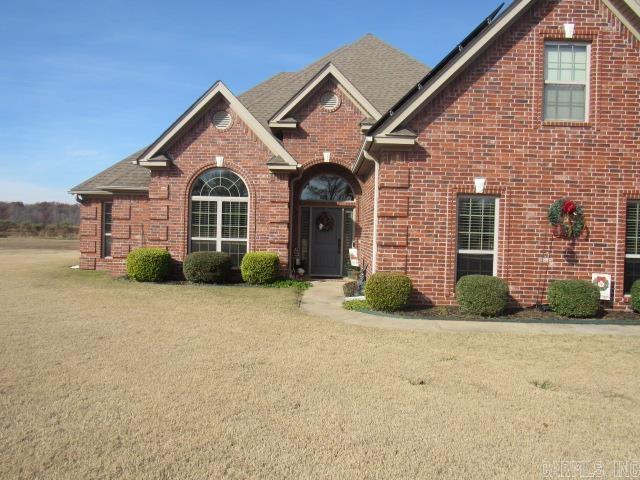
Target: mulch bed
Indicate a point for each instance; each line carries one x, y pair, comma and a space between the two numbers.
532, 315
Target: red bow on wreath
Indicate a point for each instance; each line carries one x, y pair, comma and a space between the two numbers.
569, 207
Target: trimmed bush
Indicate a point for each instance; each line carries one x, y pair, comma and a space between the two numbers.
356, 305
388, 291
207, 267
258, 268
635, 296
574, 298
149, 264
482, 295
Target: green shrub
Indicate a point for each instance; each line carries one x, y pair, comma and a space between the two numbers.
574, 298
258, 268
387, 291
357, 305
482, 295
149, 264
635, 296
207, 267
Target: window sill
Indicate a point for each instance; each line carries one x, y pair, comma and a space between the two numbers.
566, 123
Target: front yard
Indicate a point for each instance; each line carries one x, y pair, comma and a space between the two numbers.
104, 378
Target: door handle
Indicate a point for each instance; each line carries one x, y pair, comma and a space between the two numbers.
339, 245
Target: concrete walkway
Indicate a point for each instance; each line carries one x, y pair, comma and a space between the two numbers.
325, 299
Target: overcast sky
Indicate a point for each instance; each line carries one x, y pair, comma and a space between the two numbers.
85, 83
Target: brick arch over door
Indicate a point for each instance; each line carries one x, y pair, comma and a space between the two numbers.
314, 170
325, 168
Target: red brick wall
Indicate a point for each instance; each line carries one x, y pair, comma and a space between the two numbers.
165, 213
320, 130
243, 153
129, 230
335, 131
488, 123
364, 227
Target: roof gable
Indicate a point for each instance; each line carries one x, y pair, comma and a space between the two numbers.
380, 72
192, 112
329, 70
479, 41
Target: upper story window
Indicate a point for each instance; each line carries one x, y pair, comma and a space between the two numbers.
566, 81
220, 214
477, 236
327, 188
106, 229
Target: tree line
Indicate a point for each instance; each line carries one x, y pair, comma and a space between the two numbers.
42, 219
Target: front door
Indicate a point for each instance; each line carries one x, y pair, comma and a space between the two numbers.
326, 242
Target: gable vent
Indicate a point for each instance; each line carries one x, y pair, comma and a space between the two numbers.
222, 120
330, 101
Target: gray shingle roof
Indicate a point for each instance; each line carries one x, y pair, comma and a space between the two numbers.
122, 174
380, 72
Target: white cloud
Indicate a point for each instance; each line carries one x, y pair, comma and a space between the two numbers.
17, 191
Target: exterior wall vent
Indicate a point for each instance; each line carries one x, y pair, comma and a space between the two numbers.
222, 120
330, 101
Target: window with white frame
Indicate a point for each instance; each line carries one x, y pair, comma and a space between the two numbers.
106, 229
632, 252
566, 81
219, 214
477, 236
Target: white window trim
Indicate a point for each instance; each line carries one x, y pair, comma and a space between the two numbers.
104, 234
218, 238
496, 233
586, 83
626, 238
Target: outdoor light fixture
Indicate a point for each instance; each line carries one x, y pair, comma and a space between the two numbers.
326, 156
569, 29
480, 183
219, 160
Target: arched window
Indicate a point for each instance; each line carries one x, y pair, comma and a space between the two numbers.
219, 214
327, 188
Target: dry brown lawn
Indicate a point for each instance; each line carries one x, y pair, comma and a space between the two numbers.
102, 378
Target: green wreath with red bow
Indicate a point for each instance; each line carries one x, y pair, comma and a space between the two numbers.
567, 218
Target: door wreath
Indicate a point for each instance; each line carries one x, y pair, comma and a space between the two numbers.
567, 218
324, 222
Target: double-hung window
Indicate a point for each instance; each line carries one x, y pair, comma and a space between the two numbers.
106, 229
219, 214
632, 251
566, 81
477, 236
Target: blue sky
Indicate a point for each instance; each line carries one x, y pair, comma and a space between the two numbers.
83, 84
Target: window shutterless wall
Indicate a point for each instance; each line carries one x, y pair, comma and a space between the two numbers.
219, 213
566, 81
477, 235
107, 209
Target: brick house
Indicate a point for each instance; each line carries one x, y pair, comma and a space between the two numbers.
434, 172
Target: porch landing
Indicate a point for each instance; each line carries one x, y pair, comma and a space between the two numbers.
325, 299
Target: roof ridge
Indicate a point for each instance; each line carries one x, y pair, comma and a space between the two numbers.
395, 49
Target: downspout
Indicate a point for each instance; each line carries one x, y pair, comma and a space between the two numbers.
362, 156
374, 247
